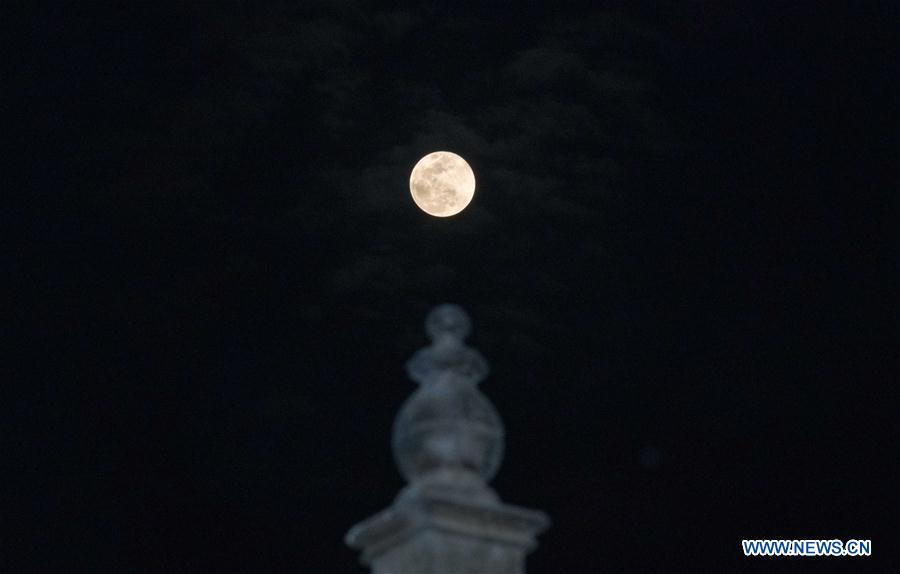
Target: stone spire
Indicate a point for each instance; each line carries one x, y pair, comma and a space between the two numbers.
448, 443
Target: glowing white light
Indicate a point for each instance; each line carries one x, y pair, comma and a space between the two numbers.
442, 184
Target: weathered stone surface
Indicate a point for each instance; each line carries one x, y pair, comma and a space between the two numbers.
435, 533
448, 442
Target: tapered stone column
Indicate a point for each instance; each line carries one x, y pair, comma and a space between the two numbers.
448, 443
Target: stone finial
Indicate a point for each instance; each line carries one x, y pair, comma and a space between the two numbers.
447, 356
448, 320
448, 442
448, 431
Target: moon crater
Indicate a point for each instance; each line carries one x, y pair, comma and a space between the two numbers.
442, 184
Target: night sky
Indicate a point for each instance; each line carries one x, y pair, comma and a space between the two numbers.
674, 265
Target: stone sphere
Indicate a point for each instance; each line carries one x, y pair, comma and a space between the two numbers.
448, 320
448, 426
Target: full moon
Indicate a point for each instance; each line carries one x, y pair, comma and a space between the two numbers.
442, 184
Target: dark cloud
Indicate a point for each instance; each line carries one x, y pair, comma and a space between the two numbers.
222, 271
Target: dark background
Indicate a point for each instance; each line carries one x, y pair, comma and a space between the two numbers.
673, 262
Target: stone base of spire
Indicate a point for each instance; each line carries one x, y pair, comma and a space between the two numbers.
430, 532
